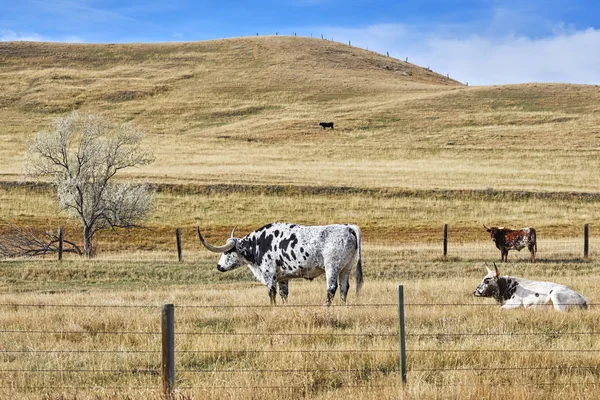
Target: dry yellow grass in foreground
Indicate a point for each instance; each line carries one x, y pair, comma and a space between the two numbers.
105, 342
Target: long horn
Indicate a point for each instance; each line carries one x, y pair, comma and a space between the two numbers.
233, 231
230, 244
488, 268
486, 227
496, 270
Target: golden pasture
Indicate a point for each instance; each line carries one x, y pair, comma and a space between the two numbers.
234, 127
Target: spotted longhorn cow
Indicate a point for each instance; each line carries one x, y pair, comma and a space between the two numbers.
514, 292
278, 252
513, 239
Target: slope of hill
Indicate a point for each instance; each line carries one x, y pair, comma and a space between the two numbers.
247, 111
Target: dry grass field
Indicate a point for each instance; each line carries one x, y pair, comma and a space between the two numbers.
96, 334
234, 126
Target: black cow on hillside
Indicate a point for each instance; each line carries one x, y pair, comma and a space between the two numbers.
326, 125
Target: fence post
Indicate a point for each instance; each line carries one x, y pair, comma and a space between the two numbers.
168, 349
402, 333
178, 237
586, 240
61, 240
445, 240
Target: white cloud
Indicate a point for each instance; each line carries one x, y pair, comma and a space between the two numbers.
568, 58
6, 35
72, 39
567, 55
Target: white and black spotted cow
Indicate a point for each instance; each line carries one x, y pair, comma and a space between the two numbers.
279, 251
513, 292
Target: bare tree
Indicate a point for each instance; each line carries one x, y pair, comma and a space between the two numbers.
82, 155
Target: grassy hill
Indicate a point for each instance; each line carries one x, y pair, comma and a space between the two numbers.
247, 111
239, 117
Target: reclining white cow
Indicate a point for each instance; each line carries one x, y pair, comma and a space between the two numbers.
515, 292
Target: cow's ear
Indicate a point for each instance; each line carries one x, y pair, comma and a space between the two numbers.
245, 250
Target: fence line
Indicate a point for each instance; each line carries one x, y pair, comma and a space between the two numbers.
386, 370
451, 244
554, 333
250, 351
281, 307
79, 332
286, 371
101, 371
363, 335
597, 368
294, 387
498, 384
40, 305
80, 351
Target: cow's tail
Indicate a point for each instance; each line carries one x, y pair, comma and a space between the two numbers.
358, 258
534, 239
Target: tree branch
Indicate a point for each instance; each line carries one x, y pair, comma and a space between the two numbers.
19, 242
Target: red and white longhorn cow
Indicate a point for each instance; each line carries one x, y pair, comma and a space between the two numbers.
513, 239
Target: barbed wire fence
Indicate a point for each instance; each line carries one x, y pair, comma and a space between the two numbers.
158, 372
450, 243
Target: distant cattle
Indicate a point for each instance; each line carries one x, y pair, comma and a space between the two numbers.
278, 252
513, 239
326, 125
513, 292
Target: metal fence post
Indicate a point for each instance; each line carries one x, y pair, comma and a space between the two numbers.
402, 333
445, 240
586, 240
61, 240
168, 349
178, 237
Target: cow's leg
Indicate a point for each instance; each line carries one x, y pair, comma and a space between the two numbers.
559, 301
283, 290
532, 251
344, 283
505, 255
272, 293
271, 283
332, 284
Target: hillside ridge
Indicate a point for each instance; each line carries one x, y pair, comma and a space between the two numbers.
42, 55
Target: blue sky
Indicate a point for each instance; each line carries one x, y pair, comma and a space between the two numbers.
480, 42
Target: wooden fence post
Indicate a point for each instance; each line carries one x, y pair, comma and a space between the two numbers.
402, 333
61, 241
445, 240
168, 349
178, 237
586, 240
